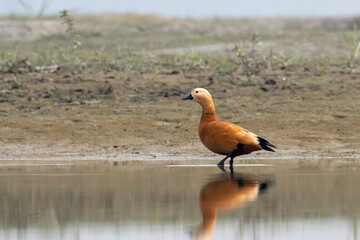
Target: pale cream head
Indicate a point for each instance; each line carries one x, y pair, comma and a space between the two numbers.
203, 97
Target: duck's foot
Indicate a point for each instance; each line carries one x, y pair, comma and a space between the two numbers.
221, 167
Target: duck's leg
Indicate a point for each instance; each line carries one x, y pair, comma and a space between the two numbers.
231, 166
222, 161
231, 171
231, 161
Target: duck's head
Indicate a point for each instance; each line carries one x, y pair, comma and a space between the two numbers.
200, 95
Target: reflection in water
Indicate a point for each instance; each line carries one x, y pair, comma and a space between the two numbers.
229, 191
142, 202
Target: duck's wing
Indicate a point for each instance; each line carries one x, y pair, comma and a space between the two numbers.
264, 144
242, 135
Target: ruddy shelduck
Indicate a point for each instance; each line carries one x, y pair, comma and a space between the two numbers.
225, 194
222, 137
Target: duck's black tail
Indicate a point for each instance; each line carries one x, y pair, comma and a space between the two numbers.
265, 144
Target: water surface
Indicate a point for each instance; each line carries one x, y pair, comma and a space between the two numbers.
180, 202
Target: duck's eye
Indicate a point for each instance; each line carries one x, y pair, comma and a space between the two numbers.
197, 92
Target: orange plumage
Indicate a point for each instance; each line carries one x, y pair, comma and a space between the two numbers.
222, 137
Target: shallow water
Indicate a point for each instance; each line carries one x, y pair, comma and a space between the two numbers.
181, 202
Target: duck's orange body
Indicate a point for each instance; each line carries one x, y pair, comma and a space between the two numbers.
223, 137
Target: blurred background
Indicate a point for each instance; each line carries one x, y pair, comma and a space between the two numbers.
188, 8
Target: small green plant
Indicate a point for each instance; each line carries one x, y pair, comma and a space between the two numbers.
251, 79
155, 77
320, 69
283, 61
78, 64
69, 22
14, 82
250, 62
227, 67
193, 61
239, 48
156, 71
3, 60
354, 47
17, 66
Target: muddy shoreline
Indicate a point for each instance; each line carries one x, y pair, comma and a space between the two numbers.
305, 109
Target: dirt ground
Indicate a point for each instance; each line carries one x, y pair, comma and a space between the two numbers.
307, 109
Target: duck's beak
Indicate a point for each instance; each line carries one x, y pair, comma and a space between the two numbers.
190, 97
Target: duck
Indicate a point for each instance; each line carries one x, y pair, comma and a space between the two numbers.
224, 138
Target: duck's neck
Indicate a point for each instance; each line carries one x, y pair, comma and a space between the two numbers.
208, 108
208, 114
206, 118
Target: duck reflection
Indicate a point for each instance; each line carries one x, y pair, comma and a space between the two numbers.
228, 191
